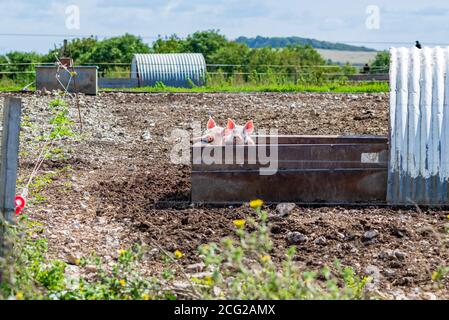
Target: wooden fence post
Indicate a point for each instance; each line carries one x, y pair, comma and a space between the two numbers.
9, 162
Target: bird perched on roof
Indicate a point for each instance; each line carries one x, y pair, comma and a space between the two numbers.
418, 45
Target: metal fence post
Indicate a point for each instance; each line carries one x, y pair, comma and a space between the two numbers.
9, 162
9, 155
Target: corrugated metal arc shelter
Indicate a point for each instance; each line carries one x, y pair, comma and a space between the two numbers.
172, 69
419, 127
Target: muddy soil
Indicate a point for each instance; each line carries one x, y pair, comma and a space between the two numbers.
118, 186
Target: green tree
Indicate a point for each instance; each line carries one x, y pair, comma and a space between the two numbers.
117, 50
205, 42
172, 44
77, 49
259, 60
19, 66
108, 51
232, 54
381, 63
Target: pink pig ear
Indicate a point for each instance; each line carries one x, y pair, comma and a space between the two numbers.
210, 123
249, 127
231, 124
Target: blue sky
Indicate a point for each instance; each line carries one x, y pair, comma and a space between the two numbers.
401, 21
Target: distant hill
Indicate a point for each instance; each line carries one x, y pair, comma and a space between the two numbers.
280, 42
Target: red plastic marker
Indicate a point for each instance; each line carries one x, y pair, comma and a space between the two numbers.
20, 204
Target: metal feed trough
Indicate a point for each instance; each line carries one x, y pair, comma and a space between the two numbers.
310, 169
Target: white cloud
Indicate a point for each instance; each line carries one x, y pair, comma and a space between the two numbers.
401, 20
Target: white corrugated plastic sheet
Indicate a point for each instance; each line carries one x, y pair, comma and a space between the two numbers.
419, 126
172, 69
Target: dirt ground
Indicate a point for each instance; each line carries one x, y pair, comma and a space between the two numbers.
120, 177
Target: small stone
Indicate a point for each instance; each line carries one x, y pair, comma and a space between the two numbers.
405, 281
389, 273
97, 135
386, 255
400, 233
102, 220
181, 285
196, 267
370, 235
416, 291
430, 296
151, 253
296, 237
396, 264
90, 268
349, 237
399, 254
72, 259
285, 208
146, 136
399, 295
354, 250
427, 231
320, 240
373, 271
217, 291
340, 235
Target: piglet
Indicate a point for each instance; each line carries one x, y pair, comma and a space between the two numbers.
239, 134
214, 135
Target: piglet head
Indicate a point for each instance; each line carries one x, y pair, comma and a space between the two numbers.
239, 134
214, 134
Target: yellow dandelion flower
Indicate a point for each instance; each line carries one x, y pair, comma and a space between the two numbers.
436, 276
178, 254
256, 203
265, 258
447, 216
122, 282
207, 280
146, 296
19, 295
121, 252
239, 223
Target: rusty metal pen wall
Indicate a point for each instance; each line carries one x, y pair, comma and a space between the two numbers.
419, 126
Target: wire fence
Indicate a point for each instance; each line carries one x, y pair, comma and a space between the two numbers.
123, 70
207, 65
224, 73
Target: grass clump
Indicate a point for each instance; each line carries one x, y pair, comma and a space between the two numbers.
332, 87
